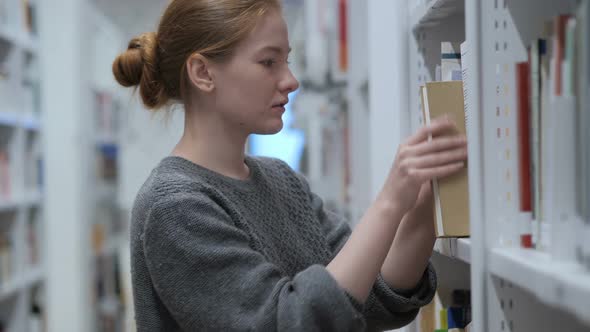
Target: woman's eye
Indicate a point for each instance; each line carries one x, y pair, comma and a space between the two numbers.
268, 63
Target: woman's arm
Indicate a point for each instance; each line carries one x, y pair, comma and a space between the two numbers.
357, 264
385, 308
412, 247
418, 160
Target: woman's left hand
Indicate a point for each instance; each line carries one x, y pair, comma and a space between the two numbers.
423, 211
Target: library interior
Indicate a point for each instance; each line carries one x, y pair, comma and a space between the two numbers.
474, 111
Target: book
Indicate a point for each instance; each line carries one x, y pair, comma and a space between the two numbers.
450, 61
545, 138
537, 51
560, 25
524, 153
583, 90
465, 78
451, 194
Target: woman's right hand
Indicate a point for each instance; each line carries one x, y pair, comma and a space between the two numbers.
419, 160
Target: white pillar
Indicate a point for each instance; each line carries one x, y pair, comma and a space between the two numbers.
66, 149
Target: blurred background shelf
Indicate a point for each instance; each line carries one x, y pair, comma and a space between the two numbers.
31, 122
23, 40
434, 12
21, 282
19, 120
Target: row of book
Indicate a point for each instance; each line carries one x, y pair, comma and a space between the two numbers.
552, 118
7, 257
7, 172
20, 86
8, 260
106, 115
36, 319
108, 225
455, 317
25, 13
10, 173
552, 158
30, 86
108, 295
33, 170
33, 235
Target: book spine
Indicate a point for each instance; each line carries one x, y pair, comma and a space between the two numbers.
436, 192
524, 156
537, 50
559, 49
450, 61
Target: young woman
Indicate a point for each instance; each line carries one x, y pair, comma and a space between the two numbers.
222, 241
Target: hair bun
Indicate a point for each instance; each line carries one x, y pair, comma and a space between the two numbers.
128, 66
138, 66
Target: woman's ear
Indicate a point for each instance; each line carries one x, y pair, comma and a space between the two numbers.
199, 72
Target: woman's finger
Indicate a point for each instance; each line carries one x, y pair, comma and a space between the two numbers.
426, 174
438, 144
438, 159
436, 127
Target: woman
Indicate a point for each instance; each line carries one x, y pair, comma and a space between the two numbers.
223, 241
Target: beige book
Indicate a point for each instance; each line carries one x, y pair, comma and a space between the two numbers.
451, 194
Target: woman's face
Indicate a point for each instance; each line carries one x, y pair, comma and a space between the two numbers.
251, 88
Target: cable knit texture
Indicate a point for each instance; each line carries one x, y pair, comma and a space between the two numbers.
212, 253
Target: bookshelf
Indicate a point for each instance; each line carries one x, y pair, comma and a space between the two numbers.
109, 222
430, 13
22, 262
565, 285
457, 248
512, 288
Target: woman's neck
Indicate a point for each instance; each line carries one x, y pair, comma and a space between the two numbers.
208, 142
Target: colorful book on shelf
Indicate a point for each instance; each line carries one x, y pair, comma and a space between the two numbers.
546, 88
583, 109
524, 152
559, 29
466, 79
536, 52
451, 194
450, 61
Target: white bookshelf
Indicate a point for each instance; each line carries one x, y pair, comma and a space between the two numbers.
434, 12
457, 248
565, 285
20, 38
109, 225
81, 192
513, 289
21, 283
21, 187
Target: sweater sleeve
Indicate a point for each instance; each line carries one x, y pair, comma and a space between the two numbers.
385, 308
206, 272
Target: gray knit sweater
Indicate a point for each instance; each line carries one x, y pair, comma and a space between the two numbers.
212, 253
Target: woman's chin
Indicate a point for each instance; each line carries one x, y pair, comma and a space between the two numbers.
271, 128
